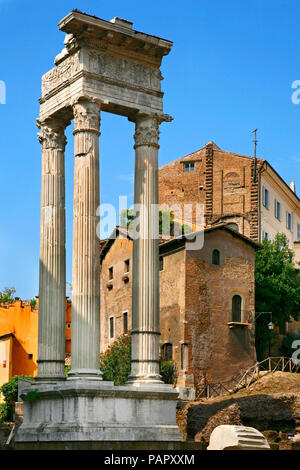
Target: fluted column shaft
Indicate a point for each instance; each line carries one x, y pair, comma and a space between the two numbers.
52, 282
86, 252
145, 290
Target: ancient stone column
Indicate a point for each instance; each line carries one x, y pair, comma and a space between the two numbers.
86, 253
52, 283
145, 290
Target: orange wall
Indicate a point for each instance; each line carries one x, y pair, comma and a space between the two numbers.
6, 344
22, 321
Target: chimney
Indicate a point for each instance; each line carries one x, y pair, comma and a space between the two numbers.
292, 186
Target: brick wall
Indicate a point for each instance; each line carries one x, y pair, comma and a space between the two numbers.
115, 293
221, 181
218, 352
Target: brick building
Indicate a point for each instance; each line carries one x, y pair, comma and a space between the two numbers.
234, 189
206, 302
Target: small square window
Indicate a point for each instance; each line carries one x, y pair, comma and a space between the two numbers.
126, 266
68, 325
111, 327
216, 258
110, 273
266, 236
30, 356
277, 209
265, 197
188, 167
289, 221
167, 351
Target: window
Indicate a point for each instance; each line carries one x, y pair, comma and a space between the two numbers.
30, 356
110, 273
236, 308
111, 327
233, 226
167, 351
266, 236
126, 266
68, 325
289, 221
188, 167
265, 197
298, 232
215, 259
277, 209
161, 263
125, 322
184, 356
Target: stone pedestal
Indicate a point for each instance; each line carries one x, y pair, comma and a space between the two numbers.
80, 411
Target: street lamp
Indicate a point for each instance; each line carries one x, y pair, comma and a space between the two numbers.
270, 328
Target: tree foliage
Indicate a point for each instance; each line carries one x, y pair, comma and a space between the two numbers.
115, 363
287, 349
277, 288
7, 296
167, 224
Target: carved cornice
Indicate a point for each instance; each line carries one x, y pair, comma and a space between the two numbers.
146, 131
51, 135
86, 115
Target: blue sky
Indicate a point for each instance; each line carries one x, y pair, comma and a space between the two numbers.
230, 71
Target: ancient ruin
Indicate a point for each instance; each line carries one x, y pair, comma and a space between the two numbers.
105, 66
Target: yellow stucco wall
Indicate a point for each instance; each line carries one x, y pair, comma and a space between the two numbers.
269, 223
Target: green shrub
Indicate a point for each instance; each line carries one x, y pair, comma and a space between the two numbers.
168, 371
115, 361
6, 412
9, 391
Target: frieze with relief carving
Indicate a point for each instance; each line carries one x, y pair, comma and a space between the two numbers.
123, 70
59, 74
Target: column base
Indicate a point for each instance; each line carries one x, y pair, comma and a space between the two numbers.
49, 379
141, 381
85, 374
81, 411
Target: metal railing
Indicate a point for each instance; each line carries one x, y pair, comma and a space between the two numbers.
246, 378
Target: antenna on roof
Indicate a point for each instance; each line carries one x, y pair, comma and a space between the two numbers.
255, 145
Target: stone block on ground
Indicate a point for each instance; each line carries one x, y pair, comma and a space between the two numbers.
228, 437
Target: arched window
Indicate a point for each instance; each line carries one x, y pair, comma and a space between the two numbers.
167, 351
236, 308
215, 258
233, 226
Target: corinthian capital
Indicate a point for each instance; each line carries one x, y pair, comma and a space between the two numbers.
146, 130
51, 135
86, 115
